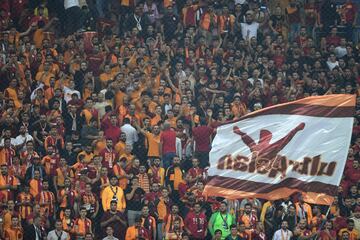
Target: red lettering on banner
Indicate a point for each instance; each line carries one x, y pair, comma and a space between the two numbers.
279, 165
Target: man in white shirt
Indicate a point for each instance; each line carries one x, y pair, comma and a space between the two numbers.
340, 51
255, 77
58, 233
101, 104
356, 218
22, 138
332, 62
283, 233
250, 28
69, 91
130, 131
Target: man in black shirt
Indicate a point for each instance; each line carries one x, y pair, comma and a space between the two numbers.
134, 195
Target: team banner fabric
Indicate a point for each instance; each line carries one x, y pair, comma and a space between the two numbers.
272, 153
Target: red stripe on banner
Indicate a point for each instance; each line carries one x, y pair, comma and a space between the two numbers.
334, 106
284, 192
301, 109
307, 110
264, 188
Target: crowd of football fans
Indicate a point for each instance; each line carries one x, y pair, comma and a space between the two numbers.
108, 108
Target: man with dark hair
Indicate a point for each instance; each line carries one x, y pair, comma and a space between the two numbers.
35, 231
353, 233
222, 220
58, 233
136, 231
234, 233
113, 193
202, 140
283, 233
114, 219
134, 195
131, 133
8, 183
195, 223
167, 145
111, 128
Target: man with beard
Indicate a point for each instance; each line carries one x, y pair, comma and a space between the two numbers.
113, 192
36, 164
173, 178
22, 138
148, 222
250, 28
134, 195
59, 97
177, 231
109, 156
114, 219
221, 220
137, 20
283, 233
8, 183
153, 140
302, 232
328, 233
248, 218
7, 152
353, 233
196, 223
303, 210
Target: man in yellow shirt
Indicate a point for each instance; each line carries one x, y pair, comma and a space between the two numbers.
113, 192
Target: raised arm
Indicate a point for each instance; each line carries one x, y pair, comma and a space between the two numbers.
246, 138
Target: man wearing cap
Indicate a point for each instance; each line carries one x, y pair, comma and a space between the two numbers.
113, 193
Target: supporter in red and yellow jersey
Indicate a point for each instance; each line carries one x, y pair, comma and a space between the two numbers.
148, 222
170, 218
8, 183
85, 157
82, 225
226, 21
7, 214
156, 172
353, 233
121, 174
162, 205
67, 196
25, 201
67, 220
46, 200
50, 161
209, 20
89, 201
14, 232
137, 231
7, 152
18, 169
54, 139
61, 173
35, 184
